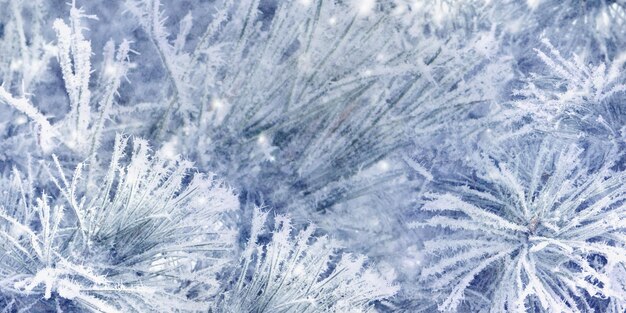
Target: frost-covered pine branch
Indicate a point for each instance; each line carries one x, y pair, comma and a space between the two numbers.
25, 54
573, 96
150, 237
314, 87
81, 129
175, 60
301, 273
539, 228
